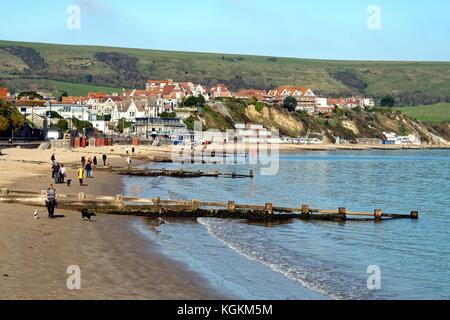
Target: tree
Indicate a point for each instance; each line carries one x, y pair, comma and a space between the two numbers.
168, 115
63, 125
388, 101
10, 117
290, 103
64, 94
4, 124
53, 115
30, 95
192, 101
122, 125
80, 124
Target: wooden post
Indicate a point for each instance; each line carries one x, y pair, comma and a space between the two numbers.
414, 215
378, 214
305, 209
269, 208
231, 206
119, 200
343, 213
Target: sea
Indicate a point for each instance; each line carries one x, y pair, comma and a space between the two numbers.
314, 260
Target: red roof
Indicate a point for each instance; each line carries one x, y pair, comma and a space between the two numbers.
97, 95
3, 93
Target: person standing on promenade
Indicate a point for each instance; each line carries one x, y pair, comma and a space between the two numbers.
53, 159
95, 161
128, 161
51, 201
104, 160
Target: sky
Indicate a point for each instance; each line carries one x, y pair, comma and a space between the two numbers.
318, 29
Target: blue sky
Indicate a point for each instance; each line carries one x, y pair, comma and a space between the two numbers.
321, 29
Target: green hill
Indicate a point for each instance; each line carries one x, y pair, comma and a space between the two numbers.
433, 114
411, 83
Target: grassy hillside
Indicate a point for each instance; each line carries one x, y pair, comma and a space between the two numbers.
409, 82
434, 114
57, 87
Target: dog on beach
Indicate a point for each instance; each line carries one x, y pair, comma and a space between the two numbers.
69, 182
85, 214
36, 215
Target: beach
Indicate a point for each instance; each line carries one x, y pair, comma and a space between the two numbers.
123, 257
115, 261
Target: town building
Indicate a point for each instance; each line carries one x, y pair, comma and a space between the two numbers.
220, 91
306, 98
259, 95
146, 126
130, 109
391, 138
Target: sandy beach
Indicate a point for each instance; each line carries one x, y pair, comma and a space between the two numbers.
115, 261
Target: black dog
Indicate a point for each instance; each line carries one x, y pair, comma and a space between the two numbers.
85, 214
69, 182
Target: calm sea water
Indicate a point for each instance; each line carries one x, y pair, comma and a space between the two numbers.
315, 260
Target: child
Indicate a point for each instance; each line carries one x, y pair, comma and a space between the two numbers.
80, 174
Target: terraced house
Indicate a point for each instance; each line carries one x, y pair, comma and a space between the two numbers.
305, 97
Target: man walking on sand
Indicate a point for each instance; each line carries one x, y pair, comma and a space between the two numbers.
104, 160
51, 201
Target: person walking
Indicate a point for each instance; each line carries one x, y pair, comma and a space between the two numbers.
128, 161
88, 169
95, 161
62, 174
80, 174
104, 160
53, 159
56, 175
51, 201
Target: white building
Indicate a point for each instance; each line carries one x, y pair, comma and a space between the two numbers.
70, 111
102, 126
131, 109
368, 102
103, 108
393, 139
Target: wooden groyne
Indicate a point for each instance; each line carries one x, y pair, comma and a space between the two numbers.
145, 172
157, 208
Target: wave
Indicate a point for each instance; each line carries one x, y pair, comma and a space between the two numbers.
313, 274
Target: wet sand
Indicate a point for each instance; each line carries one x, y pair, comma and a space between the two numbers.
115, 261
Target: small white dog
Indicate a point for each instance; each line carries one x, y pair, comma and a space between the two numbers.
36, 215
